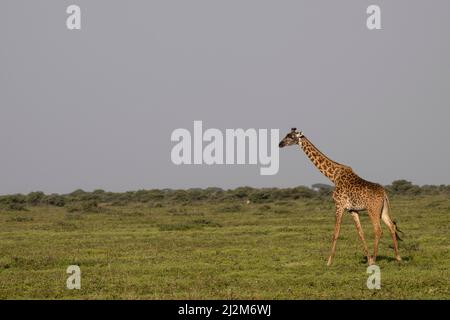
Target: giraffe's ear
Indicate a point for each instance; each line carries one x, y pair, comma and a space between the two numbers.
293, 129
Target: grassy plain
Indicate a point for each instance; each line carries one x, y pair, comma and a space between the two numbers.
226, 250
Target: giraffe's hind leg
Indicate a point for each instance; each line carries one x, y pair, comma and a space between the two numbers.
374, 214
355, 215
392, 229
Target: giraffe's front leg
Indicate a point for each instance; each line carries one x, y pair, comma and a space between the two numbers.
337, 228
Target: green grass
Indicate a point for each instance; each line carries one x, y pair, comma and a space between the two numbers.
220, 251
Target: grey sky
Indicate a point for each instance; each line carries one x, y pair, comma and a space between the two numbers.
95, 108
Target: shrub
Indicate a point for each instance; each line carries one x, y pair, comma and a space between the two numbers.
323, 190
241, 192
404, 187
35, 198
261, 195
303, 193
13, 202
84, 206
179, 195
55, 200
77, 194
16, 207
80, 200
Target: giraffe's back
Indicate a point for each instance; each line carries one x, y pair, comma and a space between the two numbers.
356, 193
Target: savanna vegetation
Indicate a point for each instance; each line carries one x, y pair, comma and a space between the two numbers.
244, 243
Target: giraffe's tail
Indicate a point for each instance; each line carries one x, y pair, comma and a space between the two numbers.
386, 211
397, 230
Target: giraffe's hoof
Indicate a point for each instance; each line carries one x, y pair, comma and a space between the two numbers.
371, 261
398, 258
329, 262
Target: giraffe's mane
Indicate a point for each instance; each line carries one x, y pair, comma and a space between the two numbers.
323, 155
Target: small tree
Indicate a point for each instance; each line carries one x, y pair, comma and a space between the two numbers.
35, 198
55, 200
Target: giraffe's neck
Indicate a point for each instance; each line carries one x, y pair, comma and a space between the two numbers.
328, 167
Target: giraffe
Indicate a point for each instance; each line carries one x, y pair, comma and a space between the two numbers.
351, 193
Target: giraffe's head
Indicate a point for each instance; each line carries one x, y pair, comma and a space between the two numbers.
291, 138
